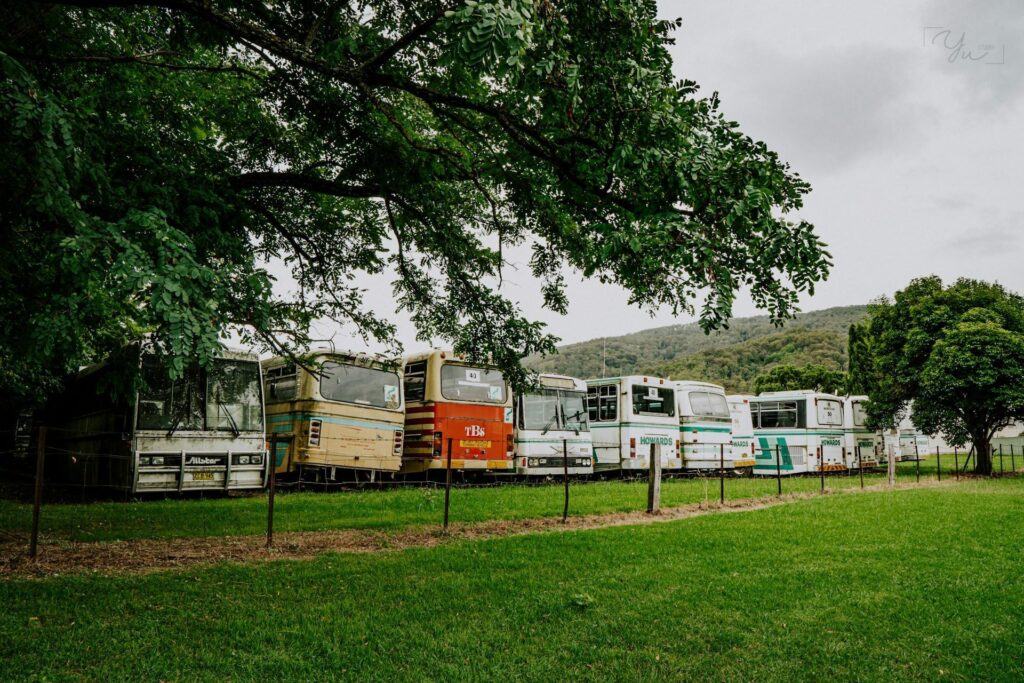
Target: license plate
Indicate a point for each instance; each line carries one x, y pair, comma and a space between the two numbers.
744, 463
202, 476
465, 443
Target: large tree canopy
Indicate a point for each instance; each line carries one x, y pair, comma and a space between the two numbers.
792, 378
158, 155
955, 355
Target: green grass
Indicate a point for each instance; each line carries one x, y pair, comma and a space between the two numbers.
919, 584
391, 508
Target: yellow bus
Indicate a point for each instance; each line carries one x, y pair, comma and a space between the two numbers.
343, 411
452, 399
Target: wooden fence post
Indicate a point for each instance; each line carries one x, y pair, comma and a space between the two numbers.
654, 482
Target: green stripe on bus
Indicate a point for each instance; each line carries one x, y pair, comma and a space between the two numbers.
331, 419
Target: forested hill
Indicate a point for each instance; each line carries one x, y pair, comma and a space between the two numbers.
732, 357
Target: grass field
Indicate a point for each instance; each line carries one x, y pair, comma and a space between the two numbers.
394, 508
919, 584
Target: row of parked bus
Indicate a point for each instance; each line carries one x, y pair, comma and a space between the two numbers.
345, 416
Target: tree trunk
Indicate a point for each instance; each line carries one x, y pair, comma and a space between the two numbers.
982, 456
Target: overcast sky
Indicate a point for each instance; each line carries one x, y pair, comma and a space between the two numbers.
913, 146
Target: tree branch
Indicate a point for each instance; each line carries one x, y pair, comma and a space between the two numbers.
300, 181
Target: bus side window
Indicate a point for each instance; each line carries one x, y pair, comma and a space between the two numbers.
603, 403
282, 383
592, 403
416, 381
609, 406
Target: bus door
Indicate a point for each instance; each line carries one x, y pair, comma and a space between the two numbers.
603, 411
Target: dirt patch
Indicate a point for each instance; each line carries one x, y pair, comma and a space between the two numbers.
149, 555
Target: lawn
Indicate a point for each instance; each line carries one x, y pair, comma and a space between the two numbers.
393, 508
921, 584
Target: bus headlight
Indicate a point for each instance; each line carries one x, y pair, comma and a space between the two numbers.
157, 460
256, 460
144, 460
533, 462
243, 460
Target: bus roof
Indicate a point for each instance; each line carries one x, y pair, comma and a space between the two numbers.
686, 384
561, 381
444, 354
801, 393
633, 379
356, 357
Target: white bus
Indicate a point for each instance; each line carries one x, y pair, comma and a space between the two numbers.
913, 444
627, 416
741, 445
805, 429
705, 426
861, 442
202, 431
550, 423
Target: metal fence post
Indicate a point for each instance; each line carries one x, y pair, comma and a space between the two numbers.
654, 482
956, 462
778, 468
821, 466
565, 478
721, 474
860, 467
1013, 461
37, 498
938, 461
447, 483
1001, 470
271, 489
918, 463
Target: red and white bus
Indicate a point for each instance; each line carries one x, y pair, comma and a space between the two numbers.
450, 399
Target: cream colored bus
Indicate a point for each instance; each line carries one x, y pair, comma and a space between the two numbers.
343, 412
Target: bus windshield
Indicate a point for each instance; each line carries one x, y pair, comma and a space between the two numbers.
225, 398
710, 405
371, 387
170, 404
574, 410
540, 411
859, 414
467, 383
830, 412
554, 409
648, 400
233, 396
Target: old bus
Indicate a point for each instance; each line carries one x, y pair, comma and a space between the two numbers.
203, 431
629, 415
805, 429
343, 413
863, 446
451, 399
550, 425
741, 444
705, 426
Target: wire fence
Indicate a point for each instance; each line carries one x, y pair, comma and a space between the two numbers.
49, 476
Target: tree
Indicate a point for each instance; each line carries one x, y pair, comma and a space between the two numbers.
792, 378
159, 154
862, 375
955, 355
